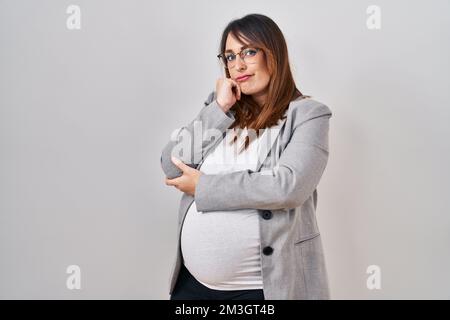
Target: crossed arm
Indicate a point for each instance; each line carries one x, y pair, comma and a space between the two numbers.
288, 185
210, 117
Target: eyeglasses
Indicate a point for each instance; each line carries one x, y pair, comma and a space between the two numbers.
228, 59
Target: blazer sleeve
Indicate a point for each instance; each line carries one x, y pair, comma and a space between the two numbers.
211, 119
288, 185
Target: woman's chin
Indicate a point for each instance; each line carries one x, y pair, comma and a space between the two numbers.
246, 91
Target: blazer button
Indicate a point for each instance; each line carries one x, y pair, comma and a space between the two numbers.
268, 251
267, 214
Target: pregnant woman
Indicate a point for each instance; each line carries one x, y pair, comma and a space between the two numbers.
248, 167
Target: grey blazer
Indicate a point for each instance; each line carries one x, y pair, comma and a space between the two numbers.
282, 188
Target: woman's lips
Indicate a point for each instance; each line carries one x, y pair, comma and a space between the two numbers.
242, 79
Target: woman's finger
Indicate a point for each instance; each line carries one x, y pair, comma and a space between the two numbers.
172, 182
238, 89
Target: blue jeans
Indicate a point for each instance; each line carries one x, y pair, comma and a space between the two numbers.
189, 288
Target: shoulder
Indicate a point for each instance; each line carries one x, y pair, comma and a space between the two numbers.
306, 109
300, 109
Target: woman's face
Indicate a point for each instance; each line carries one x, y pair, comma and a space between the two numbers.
257, 84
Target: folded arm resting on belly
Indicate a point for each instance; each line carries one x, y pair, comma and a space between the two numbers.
291, 183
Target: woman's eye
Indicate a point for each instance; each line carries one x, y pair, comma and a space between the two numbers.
229, 57
250, 52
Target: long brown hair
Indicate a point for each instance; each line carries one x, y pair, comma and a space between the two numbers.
262, 32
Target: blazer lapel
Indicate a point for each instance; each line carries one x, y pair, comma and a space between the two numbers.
270, 136
265, 145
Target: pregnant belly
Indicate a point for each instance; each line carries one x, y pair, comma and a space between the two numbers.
221, 247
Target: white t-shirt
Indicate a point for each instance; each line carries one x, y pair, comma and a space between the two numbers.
221, 249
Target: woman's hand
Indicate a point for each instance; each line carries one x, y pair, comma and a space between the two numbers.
188, 181
228, 92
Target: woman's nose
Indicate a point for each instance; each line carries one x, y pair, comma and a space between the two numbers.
240, 64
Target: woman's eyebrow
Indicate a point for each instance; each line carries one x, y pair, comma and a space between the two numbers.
243, 47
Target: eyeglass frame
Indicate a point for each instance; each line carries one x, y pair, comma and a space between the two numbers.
235, 54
